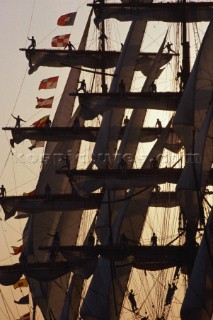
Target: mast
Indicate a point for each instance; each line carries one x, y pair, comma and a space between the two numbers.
103, 49
186, 52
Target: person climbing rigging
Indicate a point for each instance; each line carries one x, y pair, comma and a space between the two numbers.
18, 121
48, 191
153, 163
154, 240
121, 87
170, 293
91, 240
153, 87
33, 43
2, 191
82, 86
76, 124
131, 297
67, 162
126, 121
123, 241
158, 125
70, 46
169, 47
48, 123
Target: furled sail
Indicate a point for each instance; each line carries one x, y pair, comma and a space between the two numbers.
88, 59
167, 12
94, 104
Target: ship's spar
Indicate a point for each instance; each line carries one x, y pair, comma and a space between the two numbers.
91, 134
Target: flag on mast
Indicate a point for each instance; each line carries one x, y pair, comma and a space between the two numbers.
50, 83
41, 122
44, 103
17, 250
60, 41
21, 283
67, 19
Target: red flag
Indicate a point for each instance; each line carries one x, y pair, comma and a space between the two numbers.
44, 103
17, 250
60, 41
27, 194
49, 83
25, 316
21, 283
40, 122
67, 19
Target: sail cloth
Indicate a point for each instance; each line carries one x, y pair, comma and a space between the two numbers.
112, 120
193, 124
44, 103
94, 104
198, 301
167, 12
67, 19
10, 274
23, 300
50, 83
60, 41
132, 227
89, 59
50, 296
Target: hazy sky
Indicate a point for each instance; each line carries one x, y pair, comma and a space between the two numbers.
18, 92
20, 19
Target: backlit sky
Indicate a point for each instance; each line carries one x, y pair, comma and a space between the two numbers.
20, 19
18, 92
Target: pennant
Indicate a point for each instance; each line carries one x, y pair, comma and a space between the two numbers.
67, 19
23, 300
17, 250
44, 103
21, 283
25, 316
41, 122
27, 194
50, 83
60, 41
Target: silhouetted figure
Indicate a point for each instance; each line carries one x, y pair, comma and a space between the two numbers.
180, 75
67, 162
131, 297
76, 124
122, 45
33, 43
154, 240
153, 87
157, 188
70, 46
3, 191
169, 47
126, 121
48, 123
121, 87
103, 37
122, 165
82, 86
158, 125
91, 240
123, 241
55, 244
18, 121
153, 163
48, 191
104, 88
170, 293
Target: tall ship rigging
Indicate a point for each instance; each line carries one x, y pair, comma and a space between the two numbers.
126, 233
